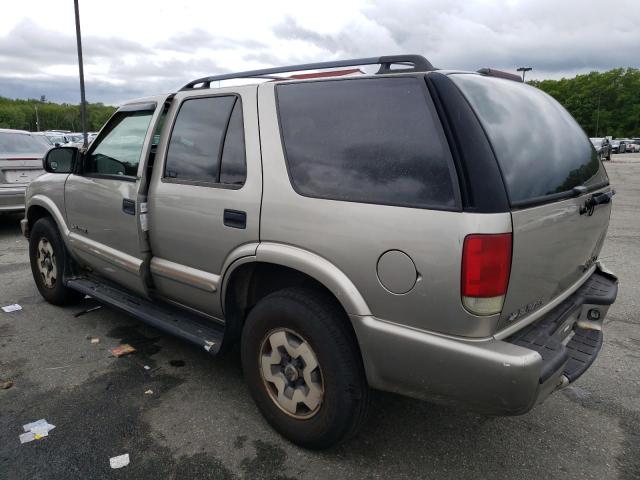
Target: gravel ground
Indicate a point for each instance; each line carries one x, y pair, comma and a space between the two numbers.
200, 421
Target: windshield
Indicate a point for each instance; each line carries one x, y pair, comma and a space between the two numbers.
541, 149
21, 143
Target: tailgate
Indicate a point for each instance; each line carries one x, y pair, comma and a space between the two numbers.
554, 246
551, 172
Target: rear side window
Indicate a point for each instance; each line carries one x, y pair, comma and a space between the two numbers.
366, 140
541, 149
207, 142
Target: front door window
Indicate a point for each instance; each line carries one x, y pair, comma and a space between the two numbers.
118, 153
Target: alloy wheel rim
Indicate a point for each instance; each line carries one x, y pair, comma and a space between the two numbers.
46, 261
291, 373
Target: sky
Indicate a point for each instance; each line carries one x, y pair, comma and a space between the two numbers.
134, 48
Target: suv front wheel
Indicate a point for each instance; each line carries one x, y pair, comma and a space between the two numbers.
48, 258
303, 367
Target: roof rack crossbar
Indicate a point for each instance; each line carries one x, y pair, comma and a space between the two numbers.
419, 63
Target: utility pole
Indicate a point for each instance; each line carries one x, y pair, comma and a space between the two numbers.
598, 115
524, 70
83, 103
37, 119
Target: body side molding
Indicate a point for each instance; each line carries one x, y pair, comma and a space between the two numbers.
192, 277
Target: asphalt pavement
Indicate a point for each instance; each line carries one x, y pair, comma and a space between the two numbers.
199, 421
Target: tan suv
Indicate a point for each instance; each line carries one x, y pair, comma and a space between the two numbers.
399, 231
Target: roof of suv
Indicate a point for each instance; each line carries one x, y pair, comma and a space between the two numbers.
393, 64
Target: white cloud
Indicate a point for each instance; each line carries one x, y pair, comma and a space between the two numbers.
145, 47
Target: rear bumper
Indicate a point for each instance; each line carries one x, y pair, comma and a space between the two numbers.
497, 377
12, 199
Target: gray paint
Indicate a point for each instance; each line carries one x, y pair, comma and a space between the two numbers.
397, 272
354, 235
552, 245
204, 242
421, 343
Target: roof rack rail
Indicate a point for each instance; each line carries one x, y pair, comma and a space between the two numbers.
415, 63
492, 72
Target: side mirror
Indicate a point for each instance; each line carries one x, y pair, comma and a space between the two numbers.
60, 159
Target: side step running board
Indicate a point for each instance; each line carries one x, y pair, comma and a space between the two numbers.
168, 318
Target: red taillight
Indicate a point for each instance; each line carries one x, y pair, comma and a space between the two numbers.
486, 263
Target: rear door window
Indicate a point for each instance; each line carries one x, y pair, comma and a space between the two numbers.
366, 140
542, 151
207, 142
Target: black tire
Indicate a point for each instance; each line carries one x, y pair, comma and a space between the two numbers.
57, 293
318, 319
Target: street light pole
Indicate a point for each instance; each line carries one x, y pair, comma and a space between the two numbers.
83, 103
598, 114
524, 70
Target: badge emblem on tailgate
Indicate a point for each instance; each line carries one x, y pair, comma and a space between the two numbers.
522, 311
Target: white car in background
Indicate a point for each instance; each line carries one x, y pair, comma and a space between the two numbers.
20, 162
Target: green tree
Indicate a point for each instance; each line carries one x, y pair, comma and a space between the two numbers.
21, 115
603, 103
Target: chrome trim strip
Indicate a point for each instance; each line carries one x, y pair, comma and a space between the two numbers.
108, 254
192, 277
511, 329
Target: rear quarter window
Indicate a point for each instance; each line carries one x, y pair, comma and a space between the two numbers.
541, 149
366, 140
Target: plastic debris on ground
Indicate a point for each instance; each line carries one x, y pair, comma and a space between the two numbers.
95, 340
35, 430
119, 461
11, 308
88, 310
148, 392
5, 384
124, 349
147, 367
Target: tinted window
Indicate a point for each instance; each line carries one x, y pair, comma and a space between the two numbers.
118, 153
197, 139
234, 167
20, 143
540, 147
369, 140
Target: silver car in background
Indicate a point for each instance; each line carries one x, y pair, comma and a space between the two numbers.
20, 162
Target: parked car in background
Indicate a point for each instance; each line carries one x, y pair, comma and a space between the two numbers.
80, 143
633, 145
616, 147
627, 145
20, 162
603, 147
52, 138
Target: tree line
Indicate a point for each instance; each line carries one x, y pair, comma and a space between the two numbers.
603, 103
24, 115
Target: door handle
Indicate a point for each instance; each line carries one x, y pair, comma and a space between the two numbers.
129, 206
235, 218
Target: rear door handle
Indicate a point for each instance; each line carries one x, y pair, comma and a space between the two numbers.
129, 206
235, 218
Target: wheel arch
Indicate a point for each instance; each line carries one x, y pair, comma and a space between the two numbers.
277, 266
41, 206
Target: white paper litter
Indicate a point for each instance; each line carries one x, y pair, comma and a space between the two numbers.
119, 461
27, 437
11, 308
147, 367
35, 430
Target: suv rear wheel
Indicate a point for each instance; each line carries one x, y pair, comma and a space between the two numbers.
48, 256
303, 367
